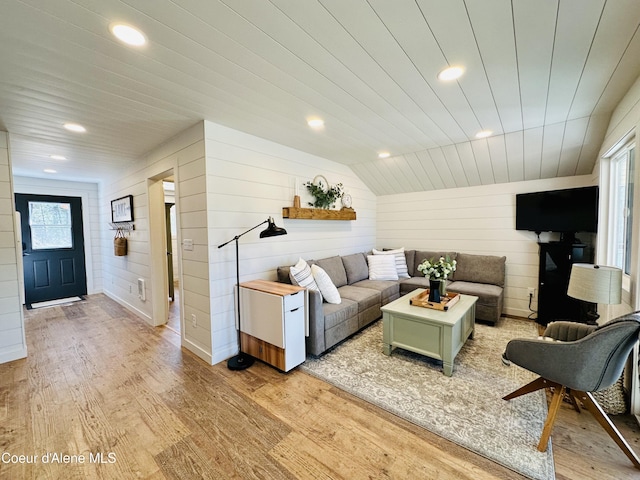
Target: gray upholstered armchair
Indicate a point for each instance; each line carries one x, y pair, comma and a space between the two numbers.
585, 359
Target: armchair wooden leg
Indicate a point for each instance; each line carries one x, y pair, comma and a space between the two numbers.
554, 406
537, 384
596, 410
573, 400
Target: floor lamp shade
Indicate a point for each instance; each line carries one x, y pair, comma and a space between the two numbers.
243, 360
272, 230
595, 283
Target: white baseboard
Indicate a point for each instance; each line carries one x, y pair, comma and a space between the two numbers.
13, 354
147, 318
198, 351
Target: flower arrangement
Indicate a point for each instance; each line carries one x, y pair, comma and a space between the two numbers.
438, 269
325, 196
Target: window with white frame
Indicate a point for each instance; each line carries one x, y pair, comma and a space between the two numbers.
621, 207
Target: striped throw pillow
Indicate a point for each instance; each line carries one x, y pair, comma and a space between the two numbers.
401, 260
300, 274
382, 267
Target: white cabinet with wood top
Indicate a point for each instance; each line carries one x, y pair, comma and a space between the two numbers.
274, 319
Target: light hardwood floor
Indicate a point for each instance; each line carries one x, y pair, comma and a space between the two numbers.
98, 380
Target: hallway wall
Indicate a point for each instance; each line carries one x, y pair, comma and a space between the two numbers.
12, 338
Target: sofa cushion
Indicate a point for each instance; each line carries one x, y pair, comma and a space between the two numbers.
401, 260
337, 314
410, 284
488, 295
389, 290
410, 256
325, 285
422, 255
488, 269
365, 297
355, 266
335, 269
283, 274
382, 267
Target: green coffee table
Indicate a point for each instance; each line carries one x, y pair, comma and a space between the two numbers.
433, 333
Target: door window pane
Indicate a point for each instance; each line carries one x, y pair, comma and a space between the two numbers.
50, 224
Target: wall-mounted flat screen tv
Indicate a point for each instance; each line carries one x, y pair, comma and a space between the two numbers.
571, 210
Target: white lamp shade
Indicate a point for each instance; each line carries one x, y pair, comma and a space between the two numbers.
595, 283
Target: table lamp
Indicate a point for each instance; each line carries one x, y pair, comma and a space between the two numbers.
595, 284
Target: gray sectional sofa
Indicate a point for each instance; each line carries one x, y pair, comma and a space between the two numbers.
479, 275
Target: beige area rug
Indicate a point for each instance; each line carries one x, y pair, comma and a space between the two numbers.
466, 408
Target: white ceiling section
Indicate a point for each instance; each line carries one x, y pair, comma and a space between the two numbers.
543, 76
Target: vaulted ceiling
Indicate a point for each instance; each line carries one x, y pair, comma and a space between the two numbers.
543, 76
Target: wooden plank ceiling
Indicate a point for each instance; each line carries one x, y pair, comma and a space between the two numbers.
543, 76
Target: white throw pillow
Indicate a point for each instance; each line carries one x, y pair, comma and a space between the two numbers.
382, 267
300, 274
327, 288
401, 260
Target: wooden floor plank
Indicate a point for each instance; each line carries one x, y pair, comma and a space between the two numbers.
99, 380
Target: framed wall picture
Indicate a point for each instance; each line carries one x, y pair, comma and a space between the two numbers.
122, 209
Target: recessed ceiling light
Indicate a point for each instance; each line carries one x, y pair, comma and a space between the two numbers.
450, 73
50, 170
128, 34
384, 155
484, 134
75, 127
57, 157
315, 122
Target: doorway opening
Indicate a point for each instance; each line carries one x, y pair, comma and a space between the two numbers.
53, 250
173, 279
163, 226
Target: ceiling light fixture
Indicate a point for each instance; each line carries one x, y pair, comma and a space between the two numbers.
315, 122
450, 73
484, 134
57, 157
50, 170
128, 34
75, 127
384, 155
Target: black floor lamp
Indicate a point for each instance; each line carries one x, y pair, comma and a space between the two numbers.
243, 360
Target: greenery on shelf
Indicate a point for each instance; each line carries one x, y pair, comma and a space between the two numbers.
325, 196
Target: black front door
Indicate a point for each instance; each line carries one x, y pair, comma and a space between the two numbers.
53, 247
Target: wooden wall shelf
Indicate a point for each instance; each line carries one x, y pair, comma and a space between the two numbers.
318, 213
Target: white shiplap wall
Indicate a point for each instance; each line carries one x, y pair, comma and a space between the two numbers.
250, 179
91, 219
184, 156
12, 337
225, 184
479, 220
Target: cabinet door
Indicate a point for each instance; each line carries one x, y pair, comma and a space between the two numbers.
261, 316
556, 260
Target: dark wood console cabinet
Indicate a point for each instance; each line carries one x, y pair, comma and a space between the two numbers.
556, 259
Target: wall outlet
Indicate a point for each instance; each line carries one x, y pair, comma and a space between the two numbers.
194, 320
531, 291
142, 295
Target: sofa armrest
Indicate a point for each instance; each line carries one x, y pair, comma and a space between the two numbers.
315, 342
